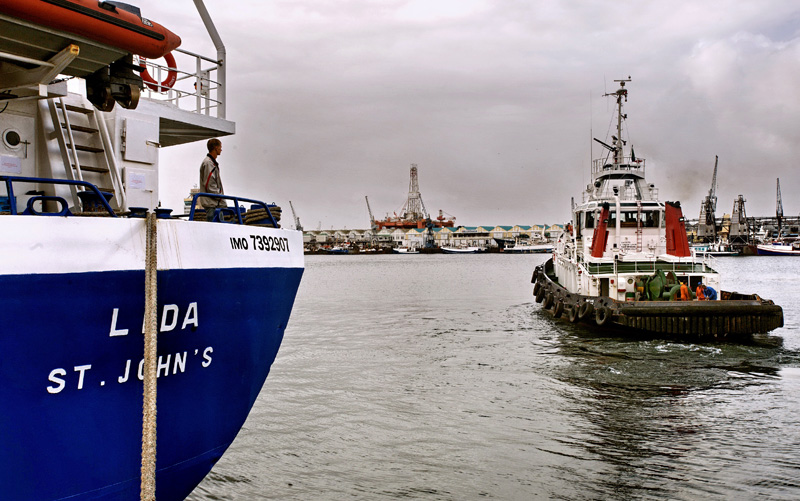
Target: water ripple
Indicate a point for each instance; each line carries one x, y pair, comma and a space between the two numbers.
439, 378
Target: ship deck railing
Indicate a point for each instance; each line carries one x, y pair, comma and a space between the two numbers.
237, 210
199, 88
99, 199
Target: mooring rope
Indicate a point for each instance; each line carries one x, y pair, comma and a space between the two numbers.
148, 487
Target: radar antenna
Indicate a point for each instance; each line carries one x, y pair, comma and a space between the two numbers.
621, 93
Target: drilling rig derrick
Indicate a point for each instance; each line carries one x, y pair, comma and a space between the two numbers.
413, 214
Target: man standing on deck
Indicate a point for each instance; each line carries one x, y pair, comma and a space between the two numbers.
686, 294
210, 180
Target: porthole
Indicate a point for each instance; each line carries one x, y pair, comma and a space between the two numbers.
12, 139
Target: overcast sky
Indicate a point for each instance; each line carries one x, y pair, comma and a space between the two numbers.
495, 101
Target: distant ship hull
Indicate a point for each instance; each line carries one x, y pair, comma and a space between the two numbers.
530, 249
411, 223
778, 250
461, 250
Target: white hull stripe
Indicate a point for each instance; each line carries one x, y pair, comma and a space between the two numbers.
47, 244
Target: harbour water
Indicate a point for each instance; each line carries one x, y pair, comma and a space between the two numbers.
437, 377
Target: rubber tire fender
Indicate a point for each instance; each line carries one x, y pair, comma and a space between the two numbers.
536, 288
558, 310
602, 315
549, 300
540, 295
585, 310
572, 314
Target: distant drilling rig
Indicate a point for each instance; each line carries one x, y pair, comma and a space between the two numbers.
413, 214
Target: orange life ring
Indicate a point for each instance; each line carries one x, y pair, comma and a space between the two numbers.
172, 75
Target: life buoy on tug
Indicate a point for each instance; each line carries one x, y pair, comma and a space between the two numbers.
172, 74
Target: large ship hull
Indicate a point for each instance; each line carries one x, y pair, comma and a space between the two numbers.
70, 373
736, 316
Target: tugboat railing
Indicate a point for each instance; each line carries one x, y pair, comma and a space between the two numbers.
648, 267
602, 166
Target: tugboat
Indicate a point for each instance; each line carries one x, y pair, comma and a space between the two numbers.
93, 268
624, 260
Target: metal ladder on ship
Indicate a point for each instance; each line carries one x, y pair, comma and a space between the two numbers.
96, 144
638, 226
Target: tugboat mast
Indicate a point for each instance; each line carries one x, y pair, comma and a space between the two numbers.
624, 176
621, 93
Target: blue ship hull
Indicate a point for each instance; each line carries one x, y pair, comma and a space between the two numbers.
72, 399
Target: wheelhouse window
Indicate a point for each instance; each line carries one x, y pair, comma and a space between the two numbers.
589, 220
650, 219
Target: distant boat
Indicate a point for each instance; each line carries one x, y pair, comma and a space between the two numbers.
718, 248
779, 248
405, 250
461, 250
338, 250
530, 249
504, 242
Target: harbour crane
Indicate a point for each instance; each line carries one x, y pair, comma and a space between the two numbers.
779, 208
740, 226
707, 226
371, 218
297, 224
